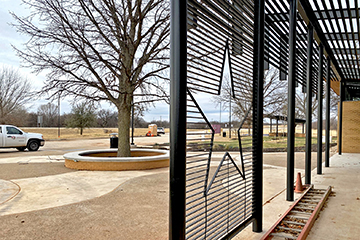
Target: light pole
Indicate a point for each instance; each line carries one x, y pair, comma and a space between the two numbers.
132, 124
230, 117
220, 114
59, 116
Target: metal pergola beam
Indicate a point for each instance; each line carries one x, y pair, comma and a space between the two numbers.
346, 63
336, 14
337, 35
311, 17
278, 39
349, 50
331, 32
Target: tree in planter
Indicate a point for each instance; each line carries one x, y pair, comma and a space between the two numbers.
108, 50
83, 115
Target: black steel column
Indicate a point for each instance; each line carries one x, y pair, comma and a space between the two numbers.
258, 85
341, 117
291, 103
320, 118
327, 115
178, 75
309, 105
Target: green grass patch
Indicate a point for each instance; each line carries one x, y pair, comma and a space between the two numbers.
269, 142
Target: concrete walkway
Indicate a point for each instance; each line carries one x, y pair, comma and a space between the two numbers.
341, 215
37, 193
134, 204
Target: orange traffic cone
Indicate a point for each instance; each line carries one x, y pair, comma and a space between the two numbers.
299, 187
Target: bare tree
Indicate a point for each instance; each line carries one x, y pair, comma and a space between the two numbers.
106, 118
83, 115
110, 50
15, 92
50, 114
19, 117
274, 97
334, 100
300, 105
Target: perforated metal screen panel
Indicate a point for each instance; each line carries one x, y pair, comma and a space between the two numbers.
218, 193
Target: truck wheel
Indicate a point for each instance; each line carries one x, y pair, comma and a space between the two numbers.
21, 149
33, 145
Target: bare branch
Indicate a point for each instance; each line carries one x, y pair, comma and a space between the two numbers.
15, 92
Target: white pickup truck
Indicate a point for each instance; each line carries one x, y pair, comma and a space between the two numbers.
13, 137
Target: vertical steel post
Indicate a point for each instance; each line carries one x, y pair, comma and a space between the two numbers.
258, 107
178, 77
309, 104
327, 115
320, 108
340, 117
291, 102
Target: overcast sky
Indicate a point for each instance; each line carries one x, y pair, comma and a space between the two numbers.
8, 36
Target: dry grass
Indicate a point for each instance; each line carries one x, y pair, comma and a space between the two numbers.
72, 133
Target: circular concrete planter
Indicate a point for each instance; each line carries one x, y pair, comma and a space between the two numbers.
106, 160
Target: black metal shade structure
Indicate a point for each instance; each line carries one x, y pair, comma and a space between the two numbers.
335, 25
246, 36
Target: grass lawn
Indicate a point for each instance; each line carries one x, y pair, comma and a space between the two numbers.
269, 142
72, 133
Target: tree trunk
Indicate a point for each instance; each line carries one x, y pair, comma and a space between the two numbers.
124, 112
81, 131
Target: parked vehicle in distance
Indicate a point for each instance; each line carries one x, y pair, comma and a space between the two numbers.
160, 130
13, 137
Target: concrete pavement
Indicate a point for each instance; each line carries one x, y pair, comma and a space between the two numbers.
134, 204
37, 193
341, 215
